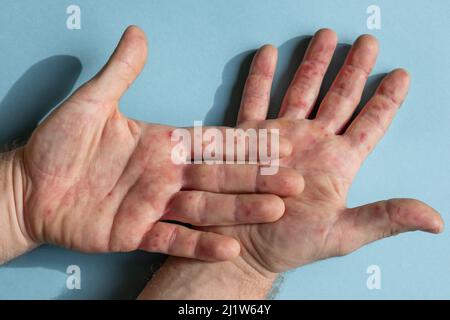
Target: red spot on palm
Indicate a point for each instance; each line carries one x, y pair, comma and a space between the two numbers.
362, 137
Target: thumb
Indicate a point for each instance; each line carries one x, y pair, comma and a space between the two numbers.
362, 225
122, 68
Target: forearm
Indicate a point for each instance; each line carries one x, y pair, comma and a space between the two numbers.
13, 238
191, 279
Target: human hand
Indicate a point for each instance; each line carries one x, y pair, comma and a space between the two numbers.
96, 181
317, 223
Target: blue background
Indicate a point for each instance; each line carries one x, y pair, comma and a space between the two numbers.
199, 53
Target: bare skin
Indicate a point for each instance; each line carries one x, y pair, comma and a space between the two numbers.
93, 180
317, 223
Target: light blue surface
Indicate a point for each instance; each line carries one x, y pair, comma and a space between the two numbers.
196, 51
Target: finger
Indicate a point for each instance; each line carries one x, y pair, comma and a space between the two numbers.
242, 179
368, 223
376, 116
256, 96
176, 240
201, 208
304, 88
121, 70
345, 93
223, 143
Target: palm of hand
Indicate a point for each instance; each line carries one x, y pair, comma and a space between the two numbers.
317, 224
87, 166
309, 229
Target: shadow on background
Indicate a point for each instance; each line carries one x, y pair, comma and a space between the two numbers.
123, 275
228, 96
41, 88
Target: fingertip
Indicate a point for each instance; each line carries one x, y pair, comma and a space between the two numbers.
279, 208
268, 49
215, 247
271, 209
395, 86
436, 224
226, 249
441, 227
369, 41
300, 183
134, 30
294, 183
367, 37
327, 33
402, 71
135, 39
402, 75
286, 147
265, 60
419, 215
432, 220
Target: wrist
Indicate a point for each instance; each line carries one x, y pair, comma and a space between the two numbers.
191, 279
257, 279
14, 239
